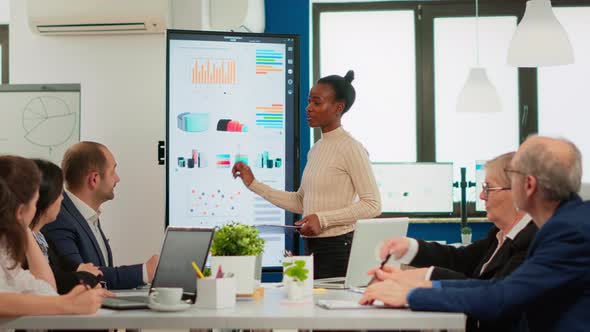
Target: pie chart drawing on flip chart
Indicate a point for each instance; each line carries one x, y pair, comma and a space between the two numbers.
48, 121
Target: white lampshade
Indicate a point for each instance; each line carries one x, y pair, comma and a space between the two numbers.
478, 94
540, 40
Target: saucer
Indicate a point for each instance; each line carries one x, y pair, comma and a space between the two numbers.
168, 308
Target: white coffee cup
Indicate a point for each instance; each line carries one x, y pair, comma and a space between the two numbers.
166, 295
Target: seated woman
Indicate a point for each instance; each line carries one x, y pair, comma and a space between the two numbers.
497, 255
48, 205
29, 292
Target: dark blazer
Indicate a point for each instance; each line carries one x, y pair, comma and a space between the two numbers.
551, 287
466, 262
74, 242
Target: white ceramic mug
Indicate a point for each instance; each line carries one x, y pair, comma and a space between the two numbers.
166, 295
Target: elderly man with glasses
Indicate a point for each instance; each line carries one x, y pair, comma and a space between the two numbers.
552, 286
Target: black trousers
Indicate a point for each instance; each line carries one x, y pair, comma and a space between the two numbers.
330, 255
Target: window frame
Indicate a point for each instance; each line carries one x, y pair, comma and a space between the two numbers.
5, 62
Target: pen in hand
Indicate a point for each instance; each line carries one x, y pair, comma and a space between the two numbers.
380, 268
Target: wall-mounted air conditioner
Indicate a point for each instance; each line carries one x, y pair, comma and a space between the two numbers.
68, 17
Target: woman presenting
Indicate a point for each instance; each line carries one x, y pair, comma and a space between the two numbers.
338, 186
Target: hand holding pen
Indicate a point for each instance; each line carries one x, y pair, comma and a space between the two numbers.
374, 271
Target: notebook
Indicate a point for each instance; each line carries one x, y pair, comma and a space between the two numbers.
369, 235
182, 245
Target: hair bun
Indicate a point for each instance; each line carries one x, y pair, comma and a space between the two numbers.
349, 77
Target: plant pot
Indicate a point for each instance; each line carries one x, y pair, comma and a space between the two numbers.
307, 284
466, 238
295, 289
244, 269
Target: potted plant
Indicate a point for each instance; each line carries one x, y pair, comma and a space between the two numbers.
466, 235
238, 248
295, 275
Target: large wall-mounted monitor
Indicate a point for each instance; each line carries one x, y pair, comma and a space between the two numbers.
231, 97
420, 188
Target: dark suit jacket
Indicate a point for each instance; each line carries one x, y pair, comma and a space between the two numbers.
552, 285
75, 243
466, 262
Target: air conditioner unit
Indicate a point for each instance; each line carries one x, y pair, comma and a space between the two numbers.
78, 17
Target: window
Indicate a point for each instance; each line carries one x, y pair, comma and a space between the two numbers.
549, 100
464, 138
380, 47
563, 91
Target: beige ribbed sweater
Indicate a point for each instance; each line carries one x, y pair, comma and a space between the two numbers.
338, 185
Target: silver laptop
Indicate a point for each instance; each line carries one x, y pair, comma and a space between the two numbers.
369, 236
182, 246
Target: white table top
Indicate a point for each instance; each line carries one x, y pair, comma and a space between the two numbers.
270, 312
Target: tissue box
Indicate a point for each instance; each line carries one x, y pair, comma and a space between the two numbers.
216, 293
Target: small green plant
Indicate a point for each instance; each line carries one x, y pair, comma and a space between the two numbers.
465, 230
296, 270
207, 272
235, 239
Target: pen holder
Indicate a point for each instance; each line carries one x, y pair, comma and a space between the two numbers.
216, 293
307, 284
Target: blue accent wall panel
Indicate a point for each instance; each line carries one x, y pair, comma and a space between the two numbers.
292, 17
450, 232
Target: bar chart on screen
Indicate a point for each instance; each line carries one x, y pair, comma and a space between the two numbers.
214, 71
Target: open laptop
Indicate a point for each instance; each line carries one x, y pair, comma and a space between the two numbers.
182, 246
369, 236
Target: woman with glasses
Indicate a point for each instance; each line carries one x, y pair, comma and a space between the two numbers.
497, 255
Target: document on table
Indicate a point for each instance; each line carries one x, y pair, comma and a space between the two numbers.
347, 304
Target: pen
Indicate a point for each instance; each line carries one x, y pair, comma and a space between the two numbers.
199, 273
380, 268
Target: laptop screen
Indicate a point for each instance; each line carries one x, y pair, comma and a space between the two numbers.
181, 247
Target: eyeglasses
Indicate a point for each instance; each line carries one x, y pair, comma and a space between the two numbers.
486, 189
515, 171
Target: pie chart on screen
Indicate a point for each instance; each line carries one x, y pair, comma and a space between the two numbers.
48, 121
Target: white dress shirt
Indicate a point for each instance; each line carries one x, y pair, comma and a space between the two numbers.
91, 217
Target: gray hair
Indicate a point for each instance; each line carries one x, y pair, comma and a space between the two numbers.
496, 166
558, 177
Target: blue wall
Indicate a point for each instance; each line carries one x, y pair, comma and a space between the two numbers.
450, 232
292, 17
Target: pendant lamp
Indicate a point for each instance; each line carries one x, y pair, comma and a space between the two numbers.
478, 94
540, 40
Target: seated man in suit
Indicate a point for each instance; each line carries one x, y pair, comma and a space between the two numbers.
90, 175
552, 286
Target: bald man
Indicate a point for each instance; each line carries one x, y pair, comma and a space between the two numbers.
552, 287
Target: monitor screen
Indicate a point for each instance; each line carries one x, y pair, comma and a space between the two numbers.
480, 177
231, 97
415, 187
181, 247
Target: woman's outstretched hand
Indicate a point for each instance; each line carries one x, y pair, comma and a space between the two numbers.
243, 171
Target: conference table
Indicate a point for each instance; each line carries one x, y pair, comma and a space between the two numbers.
271, 311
